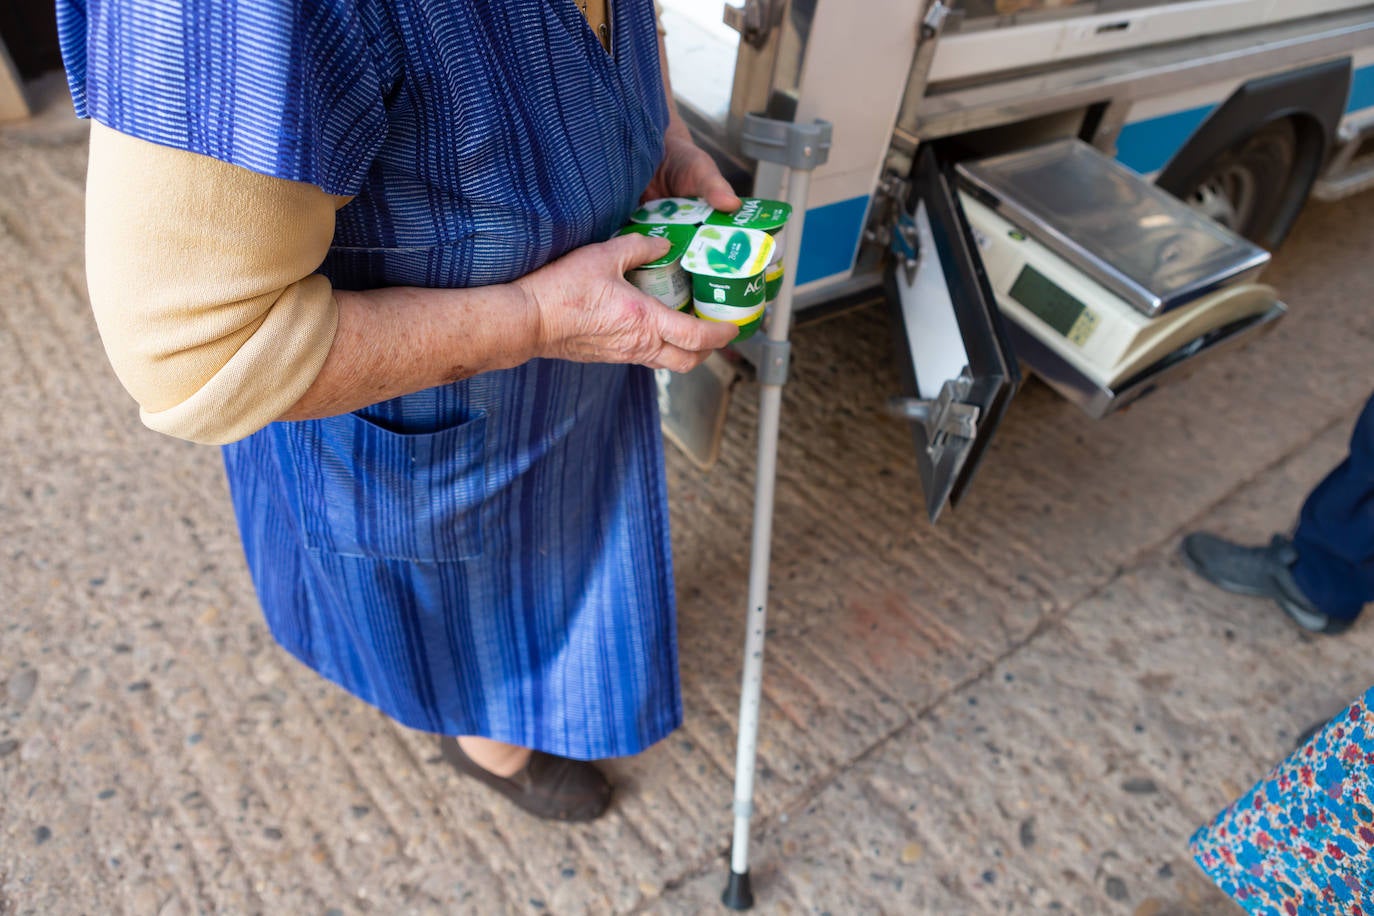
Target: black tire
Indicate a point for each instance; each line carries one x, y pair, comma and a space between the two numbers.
1257, 185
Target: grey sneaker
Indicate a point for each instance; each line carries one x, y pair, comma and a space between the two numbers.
1265, 572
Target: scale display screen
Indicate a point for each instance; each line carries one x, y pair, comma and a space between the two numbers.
1047, 301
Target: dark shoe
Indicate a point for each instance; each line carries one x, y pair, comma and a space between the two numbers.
1264, 572
550, 787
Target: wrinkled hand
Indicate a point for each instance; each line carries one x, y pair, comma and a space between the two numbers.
587, 312
688, 171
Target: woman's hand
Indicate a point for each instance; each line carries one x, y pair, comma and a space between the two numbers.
585, 310
688, 171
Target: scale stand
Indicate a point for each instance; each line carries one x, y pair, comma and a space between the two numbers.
800, 148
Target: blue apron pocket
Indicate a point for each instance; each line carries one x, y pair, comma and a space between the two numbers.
367, 491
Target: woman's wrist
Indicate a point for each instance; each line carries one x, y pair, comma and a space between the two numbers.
526, 334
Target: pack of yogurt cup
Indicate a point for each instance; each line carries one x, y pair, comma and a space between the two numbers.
721, 266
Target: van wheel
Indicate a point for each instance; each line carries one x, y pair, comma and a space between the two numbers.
1250, 187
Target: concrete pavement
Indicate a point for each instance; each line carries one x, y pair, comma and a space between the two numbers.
1026, 709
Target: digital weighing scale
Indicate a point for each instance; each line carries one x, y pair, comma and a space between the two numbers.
1108, 281
1062, 261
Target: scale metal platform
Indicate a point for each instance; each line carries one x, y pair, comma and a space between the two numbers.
1146, 247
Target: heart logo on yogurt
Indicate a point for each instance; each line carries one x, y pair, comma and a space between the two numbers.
734, 255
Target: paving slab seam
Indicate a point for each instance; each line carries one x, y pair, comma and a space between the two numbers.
1051, 621
719, 859
1055, 618
766, 825
1344, 420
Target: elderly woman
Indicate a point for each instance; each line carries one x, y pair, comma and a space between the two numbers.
362, 244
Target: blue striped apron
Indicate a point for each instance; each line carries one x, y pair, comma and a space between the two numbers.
489, 557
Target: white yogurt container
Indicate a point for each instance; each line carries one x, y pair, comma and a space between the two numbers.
664, 279
727, 267
679, 211
765, 215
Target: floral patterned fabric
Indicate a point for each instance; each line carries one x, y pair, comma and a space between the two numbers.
1301, 842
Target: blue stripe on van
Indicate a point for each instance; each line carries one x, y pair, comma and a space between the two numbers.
1361, 89
1147, 146
830, 236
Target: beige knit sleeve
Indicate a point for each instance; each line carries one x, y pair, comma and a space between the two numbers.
202, 281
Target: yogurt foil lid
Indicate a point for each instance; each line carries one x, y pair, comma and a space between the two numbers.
678, 236
728, 253
754, 213
685, 211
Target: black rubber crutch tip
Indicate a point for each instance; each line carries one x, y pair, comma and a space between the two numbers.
738, 895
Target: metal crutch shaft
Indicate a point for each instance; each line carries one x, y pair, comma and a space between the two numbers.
800, 147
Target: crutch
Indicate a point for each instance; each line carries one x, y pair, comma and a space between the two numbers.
799, 148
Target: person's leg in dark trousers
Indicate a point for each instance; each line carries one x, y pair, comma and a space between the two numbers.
1324, 575
1335, 536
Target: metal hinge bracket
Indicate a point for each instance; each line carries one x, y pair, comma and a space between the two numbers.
934, 20
948, 417
754, 20
891, 226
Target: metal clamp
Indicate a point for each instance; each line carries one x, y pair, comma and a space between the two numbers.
934, 19
905, 243
888, 200
755, 20
797, 146
775, 356
947, 417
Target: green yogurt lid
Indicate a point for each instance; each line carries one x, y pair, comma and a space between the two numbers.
686, 211
754, 213
730, 253
678, 236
